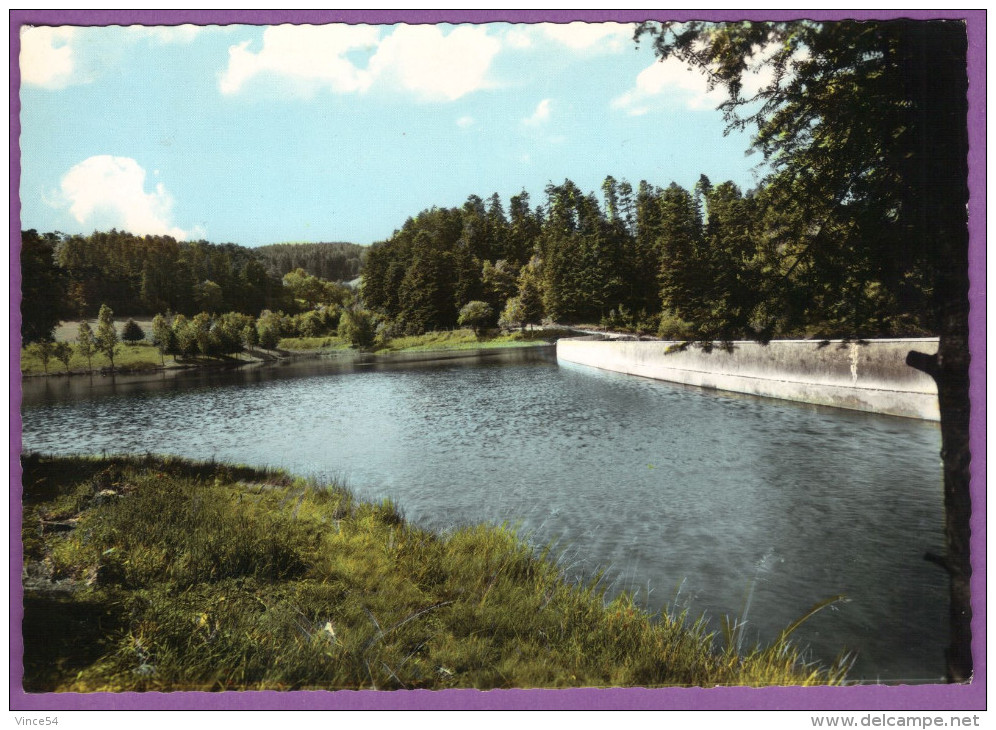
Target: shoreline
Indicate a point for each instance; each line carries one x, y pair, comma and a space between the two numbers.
276, 357
246, 578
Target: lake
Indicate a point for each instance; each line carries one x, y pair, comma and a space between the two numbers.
693, 500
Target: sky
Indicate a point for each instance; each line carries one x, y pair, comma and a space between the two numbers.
264, 134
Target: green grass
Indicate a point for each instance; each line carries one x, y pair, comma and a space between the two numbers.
141, 356
69, 330
145, 356
464, 339
147, 573
328, 342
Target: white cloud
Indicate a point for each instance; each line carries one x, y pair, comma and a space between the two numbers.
580, 36
465, 122
314, 54
46, 58
57, 57
434, 65
540, 116
670, 79
420, 59
517, 37
109, 192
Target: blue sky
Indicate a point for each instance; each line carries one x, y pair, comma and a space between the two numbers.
262, 134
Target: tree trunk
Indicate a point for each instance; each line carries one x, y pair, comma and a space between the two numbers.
950, 370
953, 395
940, 81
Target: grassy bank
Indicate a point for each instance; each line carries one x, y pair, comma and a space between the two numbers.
140, 356
160, 574
465, 339
129, 358
445, 340
327, 342
145, 356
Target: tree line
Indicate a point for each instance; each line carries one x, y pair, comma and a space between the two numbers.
72, 276
710, 263
336, 261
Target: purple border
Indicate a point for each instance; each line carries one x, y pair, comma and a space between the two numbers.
929, 697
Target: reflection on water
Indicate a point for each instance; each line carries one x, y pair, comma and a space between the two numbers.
687, 497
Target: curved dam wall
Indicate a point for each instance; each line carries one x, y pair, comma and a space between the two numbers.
870, 375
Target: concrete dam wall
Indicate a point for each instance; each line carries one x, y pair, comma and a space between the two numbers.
869, 375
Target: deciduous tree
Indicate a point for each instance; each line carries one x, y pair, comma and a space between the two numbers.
63, 352
477, 315
357, 326
43, 350
86, 343
107, 336
163, 337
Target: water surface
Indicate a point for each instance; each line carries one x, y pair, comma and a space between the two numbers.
690, 498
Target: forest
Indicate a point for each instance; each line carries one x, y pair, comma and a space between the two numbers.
337, 261
73, 276
711, 263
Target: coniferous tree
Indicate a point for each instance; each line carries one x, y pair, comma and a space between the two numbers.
132, 332
684, 278
43, 286
427, 295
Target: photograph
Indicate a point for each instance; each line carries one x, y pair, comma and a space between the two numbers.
416, 359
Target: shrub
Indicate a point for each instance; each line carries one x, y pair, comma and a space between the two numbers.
357, 327
514, 315
476, 315
673, 327
268, 326
132, 332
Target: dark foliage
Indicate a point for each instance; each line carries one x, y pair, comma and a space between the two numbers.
329, 261
865, 127
43, 286
149, 274
132, 332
